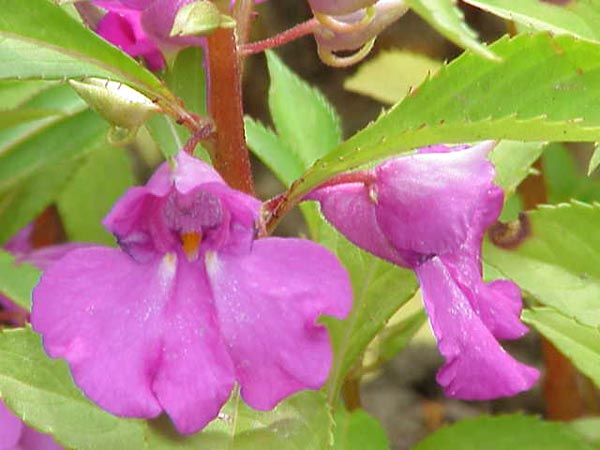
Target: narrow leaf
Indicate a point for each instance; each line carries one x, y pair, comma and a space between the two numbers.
540, 15
44, 41
23, 202
304, 120
62, 140
273, 152
473, 99
448, 19
15, 117
90, 194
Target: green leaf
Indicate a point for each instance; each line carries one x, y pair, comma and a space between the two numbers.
395, 338
17, 281
13, 93
513, 161
588, 428
186, 79
380, 289
357, 430
53, 97
43, 41
273, 152
544, 89
63, 139
168, 136
578, 341
41, 391
564, 180
391, 75
448, 20
501, 433
302, 422
90, 194
15, 117
303, 118
28, 198
538, 15
558, 260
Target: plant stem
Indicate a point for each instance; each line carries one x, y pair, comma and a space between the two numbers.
280, 39
351, 393
47, 229
243, 16
277, 207
228, 147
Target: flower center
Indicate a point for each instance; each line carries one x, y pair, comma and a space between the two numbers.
192, 217
191, 244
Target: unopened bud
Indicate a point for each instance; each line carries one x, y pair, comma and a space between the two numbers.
199, 18
119, 104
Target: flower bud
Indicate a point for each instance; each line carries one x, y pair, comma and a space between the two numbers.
199, 18
119, 104
356, 31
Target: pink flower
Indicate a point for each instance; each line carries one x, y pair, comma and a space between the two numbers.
190, 304
15, 435
141, 28
428, 212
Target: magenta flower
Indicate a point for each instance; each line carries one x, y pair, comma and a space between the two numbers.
141, 28
428, 212
15, 435
190, 304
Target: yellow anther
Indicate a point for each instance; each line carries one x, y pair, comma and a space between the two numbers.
191, 244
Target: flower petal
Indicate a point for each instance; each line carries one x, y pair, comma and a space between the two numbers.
10, 428
187, 175
268, 302
196, 374
351, 208
137, 222
427, 202
477, 367
99, 310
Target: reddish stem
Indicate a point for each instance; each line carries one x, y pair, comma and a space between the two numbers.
351, 393
280, 39
228, 148
47, 229
277, 207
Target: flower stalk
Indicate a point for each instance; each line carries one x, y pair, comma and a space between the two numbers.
228, 148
